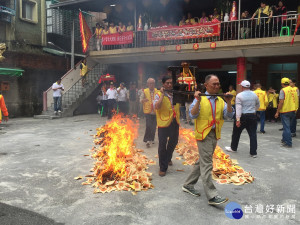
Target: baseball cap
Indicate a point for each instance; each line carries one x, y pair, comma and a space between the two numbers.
285, 80
245, 84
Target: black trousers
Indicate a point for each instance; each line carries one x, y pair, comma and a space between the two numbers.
123, 107
150, 127
111, 105
248, 121
271, 114
168, 139
104, 108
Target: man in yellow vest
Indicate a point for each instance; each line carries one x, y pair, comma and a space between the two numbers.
261, 112
273, 103
98, 34
84, 70
287, 109
3, 109
232, 92
294, 121
209, 113
168, 120
147, 98
264, 13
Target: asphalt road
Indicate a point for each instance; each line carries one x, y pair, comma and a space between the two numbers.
40, 158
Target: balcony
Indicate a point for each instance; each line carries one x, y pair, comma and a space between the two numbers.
6, 14
244, 38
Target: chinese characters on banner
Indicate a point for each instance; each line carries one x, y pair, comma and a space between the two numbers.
118, 38
184, 32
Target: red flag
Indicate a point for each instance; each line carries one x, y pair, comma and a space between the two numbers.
85, 32
297, 26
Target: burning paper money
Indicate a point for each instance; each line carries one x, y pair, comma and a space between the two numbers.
225, 170
118, 164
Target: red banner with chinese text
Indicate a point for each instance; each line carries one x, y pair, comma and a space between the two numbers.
208, 29
118, 38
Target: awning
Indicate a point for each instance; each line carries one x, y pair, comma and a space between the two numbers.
61, 53
11, 72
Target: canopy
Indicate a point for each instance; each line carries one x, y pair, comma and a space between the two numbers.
11, 72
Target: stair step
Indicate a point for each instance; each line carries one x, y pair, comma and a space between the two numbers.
49, 117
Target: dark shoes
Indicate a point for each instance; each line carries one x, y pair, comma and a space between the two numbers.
217, 200
191, 191
281, 129
293, 134
253, 156
148, 144
191, 123
162, 174
262, 132
285, 145
170, 163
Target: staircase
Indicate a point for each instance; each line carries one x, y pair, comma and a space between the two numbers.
74, 96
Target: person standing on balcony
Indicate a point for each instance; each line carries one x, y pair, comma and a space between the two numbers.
3, 109
112, 28
245, 25
168, 120
216, 16
121, 27
264, 13
122, 98
190, 20
281, 12
233, 93
133, 99
182, 21
147, 98
57, 88
111, 100
261, 112
287, 108
129, 26
294, 121
247, 103
84, 70
203, 18
209, 113
98, 34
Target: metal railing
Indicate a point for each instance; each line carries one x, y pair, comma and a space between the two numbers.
74, 92
257, 28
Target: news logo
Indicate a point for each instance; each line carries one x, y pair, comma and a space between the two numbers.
233, 211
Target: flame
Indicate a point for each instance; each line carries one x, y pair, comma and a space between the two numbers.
118, 164
224, 170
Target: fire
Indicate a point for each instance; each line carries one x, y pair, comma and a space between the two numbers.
225, 170
118, 164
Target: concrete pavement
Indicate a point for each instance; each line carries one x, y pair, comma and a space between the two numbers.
40, 158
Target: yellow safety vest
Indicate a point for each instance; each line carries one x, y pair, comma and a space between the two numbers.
84, 70
129, 28
263, 99
233, 92
273, 98
290, 100
165, 115
297, 99
122, 29
112, 30
205, 120
148, 106
98, 33
105, 32
265, 11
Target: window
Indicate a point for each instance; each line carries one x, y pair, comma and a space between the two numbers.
278, 71
28, 11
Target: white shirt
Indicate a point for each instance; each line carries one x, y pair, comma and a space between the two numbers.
111, 93
57, 93
122, 95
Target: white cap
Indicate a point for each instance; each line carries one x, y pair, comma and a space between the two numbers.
245, 84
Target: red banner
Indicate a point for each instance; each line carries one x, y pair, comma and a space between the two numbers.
184, 32
118, 38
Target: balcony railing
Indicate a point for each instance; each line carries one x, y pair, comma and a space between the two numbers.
249, 29
6, 13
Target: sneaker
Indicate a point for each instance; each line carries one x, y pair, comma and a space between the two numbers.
253, 156
148, 144
281, 129
262, 132
285, 145
191, 191
170, 163
59, 111
191, 123
217, 200
55, 112
228, 149
293, 134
